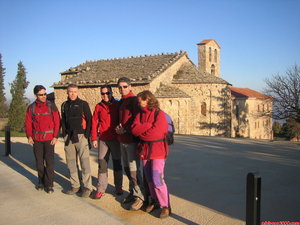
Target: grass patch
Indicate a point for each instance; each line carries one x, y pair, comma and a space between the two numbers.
280, 139
13, 134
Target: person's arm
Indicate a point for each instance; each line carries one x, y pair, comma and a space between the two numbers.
28, 125
160, 125
137, 128
63, 120
95, 124
88, 117
56, 121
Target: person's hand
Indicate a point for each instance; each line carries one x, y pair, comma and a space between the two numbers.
120, 129
30, 141
95, 144
53, 142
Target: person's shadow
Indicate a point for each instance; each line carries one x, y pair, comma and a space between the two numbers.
22, 160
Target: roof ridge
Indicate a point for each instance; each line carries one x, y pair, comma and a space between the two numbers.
168, 64
88, 62
130, 57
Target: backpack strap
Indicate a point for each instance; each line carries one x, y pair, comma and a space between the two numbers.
33, 106
156, 113
150, 143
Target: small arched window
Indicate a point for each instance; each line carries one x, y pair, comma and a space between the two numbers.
213, 69
209, 52
203, 109
216, 55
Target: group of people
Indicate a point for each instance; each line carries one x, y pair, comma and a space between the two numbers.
133, 129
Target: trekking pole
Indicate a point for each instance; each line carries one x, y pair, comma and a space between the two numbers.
253, 199
7, 141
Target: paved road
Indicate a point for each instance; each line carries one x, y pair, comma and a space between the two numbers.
206, 177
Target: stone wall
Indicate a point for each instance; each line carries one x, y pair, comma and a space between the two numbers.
185, 112
178, 109
253, 119
91, 94
209, 109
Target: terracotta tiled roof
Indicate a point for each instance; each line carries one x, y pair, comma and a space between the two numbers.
204, 42
141, 70
189, 74
247, 93
165, 91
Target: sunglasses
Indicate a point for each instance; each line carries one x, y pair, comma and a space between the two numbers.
105, 93
41, 94
123, 87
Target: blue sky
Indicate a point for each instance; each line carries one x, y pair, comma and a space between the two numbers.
258, 38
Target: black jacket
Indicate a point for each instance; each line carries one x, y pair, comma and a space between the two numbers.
73, 113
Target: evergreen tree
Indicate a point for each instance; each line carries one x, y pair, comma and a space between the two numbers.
277, 129
3, 105
19, 103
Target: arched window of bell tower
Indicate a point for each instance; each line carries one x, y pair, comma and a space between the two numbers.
209, 53
216, 55
213, 69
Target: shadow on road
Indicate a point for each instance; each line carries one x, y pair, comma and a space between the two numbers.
211, 171
22, 157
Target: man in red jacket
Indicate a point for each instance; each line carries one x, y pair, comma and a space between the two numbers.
42, 125
128, 110
104, 121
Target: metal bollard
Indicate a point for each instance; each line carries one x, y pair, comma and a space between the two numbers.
7, 141
253, 199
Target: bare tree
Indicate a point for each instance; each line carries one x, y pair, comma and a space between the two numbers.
285, 91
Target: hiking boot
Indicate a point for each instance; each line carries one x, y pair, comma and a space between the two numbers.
98, 195
137, 204
86, 193
165, 212
152, 206
39, 187
49, 190
72, 191
128, 199
119, 191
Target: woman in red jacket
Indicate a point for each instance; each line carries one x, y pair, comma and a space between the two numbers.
104, 121
151, 126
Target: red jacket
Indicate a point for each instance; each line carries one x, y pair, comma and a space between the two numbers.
104, 121
42, 125
128, 109
149, 128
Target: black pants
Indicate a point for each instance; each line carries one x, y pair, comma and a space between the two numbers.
44, 158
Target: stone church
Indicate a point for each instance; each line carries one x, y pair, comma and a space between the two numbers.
195, 96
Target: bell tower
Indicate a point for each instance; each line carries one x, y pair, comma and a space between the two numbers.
209, 57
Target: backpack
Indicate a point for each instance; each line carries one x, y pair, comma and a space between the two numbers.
171, 129
33, 114
32, 108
